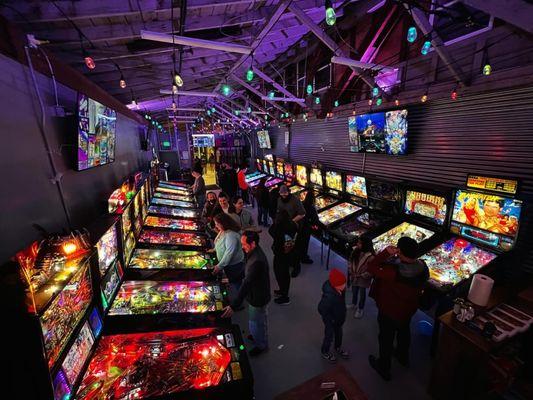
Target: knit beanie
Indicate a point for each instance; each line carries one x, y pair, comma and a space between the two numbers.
336, 278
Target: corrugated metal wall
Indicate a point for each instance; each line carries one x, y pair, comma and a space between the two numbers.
489, 134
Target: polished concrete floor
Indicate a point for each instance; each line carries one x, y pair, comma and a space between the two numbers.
295, 336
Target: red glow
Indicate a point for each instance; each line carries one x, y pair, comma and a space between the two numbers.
89, 62
454, 95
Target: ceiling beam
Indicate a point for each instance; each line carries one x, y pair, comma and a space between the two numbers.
329, 42
190, 93
256, 92
283, 99
193, 42
268, 79
427, 29
254, 104
515, 12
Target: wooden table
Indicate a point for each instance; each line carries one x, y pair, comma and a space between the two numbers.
310, 390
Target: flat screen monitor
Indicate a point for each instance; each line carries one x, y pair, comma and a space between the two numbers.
203, 140
96, 133
301, 175
356, 186
334, 180
264, 139
477, 212
381, 132
315, 177
427, 205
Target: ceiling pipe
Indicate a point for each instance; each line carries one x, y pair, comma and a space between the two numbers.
287, 99
360, 64
193, 42
189, 93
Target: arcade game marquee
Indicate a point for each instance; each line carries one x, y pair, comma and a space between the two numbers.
288, 172
342, 237
424, 215
301, 179
484, 224
316, 181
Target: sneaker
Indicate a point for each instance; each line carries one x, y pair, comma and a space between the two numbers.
256, 351
278, 292
282, 301
358, 313
330, 357
374, 364
342, 353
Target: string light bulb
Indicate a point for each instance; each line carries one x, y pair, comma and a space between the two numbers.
487, 68
309, 89
336, 103
178, 79
379, 101
249, 75
424, 97
226, 89
122, 82
271, 95
331, 17
317, 100
425, 47
412, 34
375, 91
370, 102
89, 61
454, 95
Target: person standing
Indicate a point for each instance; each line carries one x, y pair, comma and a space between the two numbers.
332, 308
227, 207
223, 178
229, 252
198, 187
283, 231
309, 223
256, 290
262, 200
296, 212
361, 256
243, 185
233, 183
245, 217
399, 279
273, 196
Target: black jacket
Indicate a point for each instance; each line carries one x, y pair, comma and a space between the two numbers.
255, 287
311, 215
262, 196
278, 232
332, 306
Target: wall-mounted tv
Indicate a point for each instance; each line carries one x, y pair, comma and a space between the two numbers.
381, 132
264, 139
96, 133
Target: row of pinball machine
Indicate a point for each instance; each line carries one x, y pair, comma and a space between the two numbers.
130, 309
460, 231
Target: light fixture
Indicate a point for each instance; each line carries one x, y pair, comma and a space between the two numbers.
370, 101
271, 94
122, 82
397, 101
226, 89
379, 101
454, 94
249, 75
249, 110
237, 113
208, 113
411, 34
425, 47
174, 89
487, 68
336, 103
178, 80
424, 97
375, 91
309, 89
331, 17
213, 110
89, 62
317, 100
69, 248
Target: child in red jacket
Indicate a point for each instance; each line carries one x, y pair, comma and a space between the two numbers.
399, 279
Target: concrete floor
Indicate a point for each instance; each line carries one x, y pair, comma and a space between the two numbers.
296, 332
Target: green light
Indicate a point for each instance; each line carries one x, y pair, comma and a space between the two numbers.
317, 100
166, 144
224, 293
213, 110
425, 48
375, 91
249, 75
208, 112
237, 112
241, 347
487, 69
331, 18
271, 95
336, 104
226, 90
249, 110
309, 89
411, 34
379, 101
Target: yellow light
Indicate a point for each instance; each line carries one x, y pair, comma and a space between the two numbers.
424, 98
69, 248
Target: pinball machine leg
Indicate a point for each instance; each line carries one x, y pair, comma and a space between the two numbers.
321, 248
327, 258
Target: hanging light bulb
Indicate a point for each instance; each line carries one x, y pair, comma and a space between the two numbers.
271, 94
487, 68
237, 113
336, 103
412, 34
425, 48
89, 62
309, 89
424, 97
370, 101
331, 17
178, 80
249, 110
454, 94
317, 100
208, 113
379, 101
122, 82
397, 101
174, 106
354, 112
174, 89
226, 89
250, 75
375, 91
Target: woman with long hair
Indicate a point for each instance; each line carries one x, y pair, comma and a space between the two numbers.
362, 254
229, 251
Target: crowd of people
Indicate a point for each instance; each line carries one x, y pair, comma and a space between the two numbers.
395, 277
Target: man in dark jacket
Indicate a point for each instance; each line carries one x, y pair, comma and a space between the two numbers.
255, 289
399, 279
332, 308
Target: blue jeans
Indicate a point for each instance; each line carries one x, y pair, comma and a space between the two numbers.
257, 324
361, 291
332, 331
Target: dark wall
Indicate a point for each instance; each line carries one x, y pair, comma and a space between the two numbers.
28, 194
489, 134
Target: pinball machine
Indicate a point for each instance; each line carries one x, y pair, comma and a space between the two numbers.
179, 197
301, 179
280, 171
206, 363
484, 227
423, 218
288, 171
174, 240
317, 183
174, 224
173, 212
160, 201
